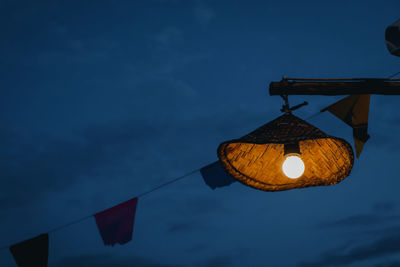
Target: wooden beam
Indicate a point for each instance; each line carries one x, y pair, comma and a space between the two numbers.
356, 86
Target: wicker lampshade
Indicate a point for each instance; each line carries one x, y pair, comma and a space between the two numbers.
256, 159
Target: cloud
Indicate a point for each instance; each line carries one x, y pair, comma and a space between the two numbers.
389, 264
33, 165
384, 206
179, 227
168, 37
382, 232
361, 220
203, 13
219, 261
106, 260
381, 214
101, 260
369, 226
386, 245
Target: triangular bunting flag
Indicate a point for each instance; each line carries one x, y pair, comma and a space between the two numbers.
392, 38
214, 175
353, 110
116, 224
32, 252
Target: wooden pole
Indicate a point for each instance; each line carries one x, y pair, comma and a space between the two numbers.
355, 86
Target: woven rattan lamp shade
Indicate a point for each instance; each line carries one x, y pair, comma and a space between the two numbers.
256, 159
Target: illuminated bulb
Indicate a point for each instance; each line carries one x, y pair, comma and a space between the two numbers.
293, 167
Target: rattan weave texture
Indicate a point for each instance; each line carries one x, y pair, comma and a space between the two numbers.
256, 159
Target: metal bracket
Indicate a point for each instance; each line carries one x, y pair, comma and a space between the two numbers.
286, 107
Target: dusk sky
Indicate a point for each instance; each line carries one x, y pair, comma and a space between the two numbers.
103, 100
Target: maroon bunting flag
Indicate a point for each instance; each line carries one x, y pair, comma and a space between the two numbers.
116, 224
32, 252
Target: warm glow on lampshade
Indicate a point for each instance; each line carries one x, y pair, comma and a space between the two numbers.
287, 153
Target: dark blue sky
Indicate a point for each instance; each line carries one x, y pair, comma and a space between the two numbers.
103, 100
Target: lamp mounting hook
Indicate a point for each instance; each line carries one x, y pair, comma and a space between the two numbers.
286, 107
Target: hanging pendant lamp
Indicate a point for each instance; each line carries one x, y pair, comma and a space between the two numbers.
287, 153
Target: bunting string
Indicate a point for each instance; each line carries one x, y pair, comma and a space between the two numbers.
140, 195
213, 175
116, 223
394, 75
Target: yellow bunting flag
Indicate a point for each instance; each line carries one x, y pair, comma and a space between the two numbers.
353, 110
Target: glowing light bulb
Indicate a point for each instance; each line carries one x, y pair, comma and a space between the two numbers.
293, 167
